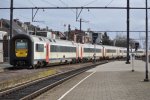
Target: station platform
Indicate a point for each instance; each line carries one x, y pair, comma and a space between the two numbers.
4, 66
111, 81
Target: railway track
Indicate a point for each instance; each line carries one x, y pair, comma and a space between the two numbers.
35, 88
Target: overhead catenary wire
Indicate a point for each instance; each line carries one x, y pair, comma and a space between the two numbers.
49, 3
95, 7
66, 5
63, 3
84, 6
23, 16
109, 3
90, 3
32, 3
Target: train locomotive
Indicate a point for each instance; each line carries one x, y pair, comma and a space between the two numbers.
35, 51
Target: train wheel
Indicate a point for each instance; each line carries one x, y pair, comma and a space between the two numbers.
73, 61
35, 66
43, 63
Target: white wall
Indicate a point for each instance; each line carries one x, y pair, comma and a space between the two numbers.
2, 34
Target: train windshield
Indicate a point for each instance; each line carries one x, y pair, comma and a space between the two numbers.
21, 44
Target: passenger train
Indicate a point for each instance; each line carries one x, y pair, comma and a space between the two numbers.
34, 51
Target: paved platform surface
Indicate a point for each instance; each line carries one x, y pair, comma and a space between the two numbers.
3, 66
111, 81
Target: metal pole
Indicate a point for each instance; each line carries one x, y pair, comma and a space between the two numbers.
94, 52
132, 63
69, 30
146, 67
128, 28
132, 60
80, 24
11, 19
11, 28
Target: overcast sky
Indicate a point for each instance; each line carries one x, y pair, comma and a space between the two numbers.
98, 19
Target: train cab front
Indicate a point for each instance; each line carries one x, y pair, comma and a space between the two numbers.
20, 51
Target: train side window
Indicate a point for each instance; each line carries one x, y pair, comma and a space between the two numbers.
39, 47
125, 51
52, 48
60, 48
69, 49
111, 51
65, 49
74, 49
56, 48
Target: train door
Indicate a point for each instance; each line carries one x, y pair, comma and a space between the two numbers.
103, 52
77, 52
81, 52
47, 52
118, 51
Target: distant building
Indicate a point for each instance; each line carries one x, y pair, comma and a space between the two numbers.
96, 37
31, 28
5, 28
17, 29
25, 28
78, 36
47, 34
3, 46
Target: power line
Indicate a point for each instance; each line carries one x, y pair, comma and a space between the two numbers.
124, 31
49, 3
63, 3
109, 3
23, 17
32, 3
66, 5
96, 7
90, 3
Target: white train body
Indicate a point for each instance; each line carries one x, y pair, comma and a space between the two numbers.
35, 50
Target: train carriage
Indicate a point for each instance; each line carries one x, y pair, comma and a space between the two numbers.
91, 51
110, 52
33, 51
122, 52
63, 51
21, 50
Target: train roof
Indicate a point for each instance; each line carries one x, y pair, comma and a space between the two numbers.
53, 41
41, 39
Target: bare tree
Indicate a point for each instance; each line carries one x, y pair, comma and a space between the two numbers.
121, 41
